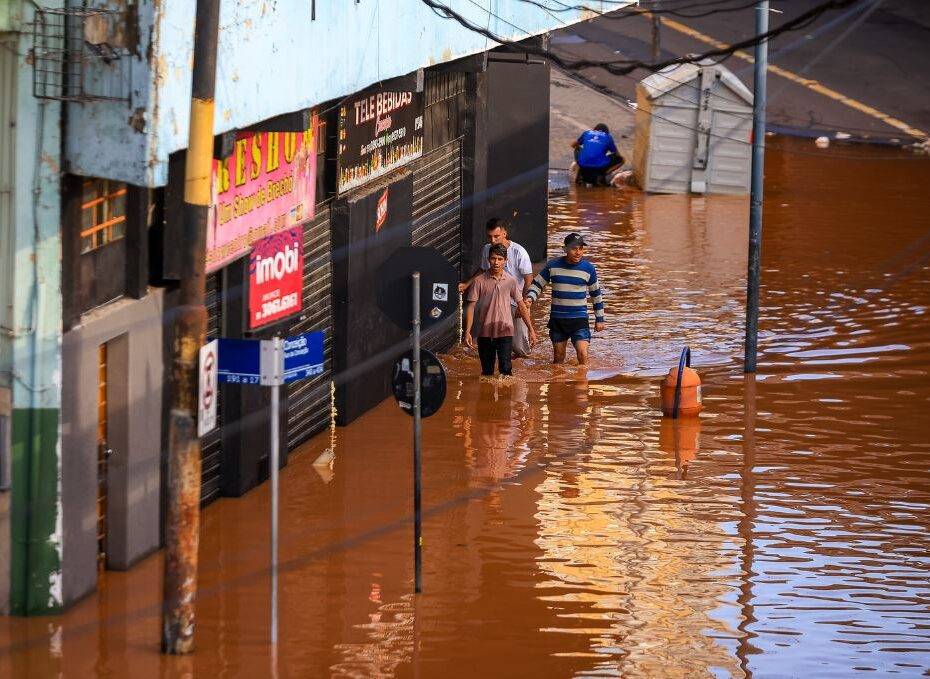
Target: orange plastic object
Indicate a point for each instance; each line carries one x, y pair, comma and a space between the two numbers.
690, 403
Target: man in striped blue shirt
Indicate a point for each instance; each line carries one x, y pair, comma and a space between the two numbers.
573, 280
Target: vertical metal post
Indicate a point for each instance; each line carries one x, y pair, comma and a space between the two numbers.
417, 532
656, 33
756, 190
273, 474
182, 532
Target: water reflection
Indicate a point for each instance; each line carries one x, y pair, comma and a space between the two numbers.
569, 529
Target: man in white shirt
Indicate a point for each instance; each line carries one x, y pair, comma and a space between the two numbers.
519, 266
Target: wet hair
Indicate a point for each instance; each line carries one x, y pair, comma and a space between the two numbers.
601, 127
495, 222
498, 250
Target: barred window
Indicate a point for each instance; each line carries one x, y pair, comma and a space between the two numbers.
103, 213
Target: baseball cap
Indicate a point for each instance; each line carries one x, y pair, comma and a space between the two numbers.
573, 239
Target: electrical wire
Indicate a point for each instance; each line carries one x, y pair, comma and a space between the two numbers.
625, 66
628, 11
866, 9
716, 137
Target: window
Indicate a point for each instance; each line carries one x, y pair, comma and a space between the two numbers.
103, 213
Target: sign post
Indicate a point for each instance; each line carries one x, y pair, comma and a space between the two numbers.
417, 527
272, 375
271, 363
414, 266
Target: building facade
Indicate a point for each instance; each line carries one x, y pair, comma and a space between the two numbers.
353, 127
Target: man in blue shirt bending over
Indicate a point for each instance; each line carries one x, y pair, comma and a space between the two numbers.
596, 155
573, 280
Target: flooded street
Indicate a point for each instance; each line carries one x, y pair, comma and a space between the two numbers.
569, 530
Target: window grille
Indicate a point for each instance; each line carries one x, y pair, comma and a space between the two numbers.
103, 213
79, 55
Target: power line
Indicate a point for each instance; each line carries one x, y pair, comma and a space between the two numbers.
625, 66
628, 11
868, 9
604, 90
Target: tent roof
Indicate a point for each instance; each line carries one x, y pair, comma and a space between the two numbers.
676, 75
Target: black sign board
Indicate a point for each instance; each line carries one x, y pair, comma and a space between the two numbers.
379, 129
432, 383
439, 293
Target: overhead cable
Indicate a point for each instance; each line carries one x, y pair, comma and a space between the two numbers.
625, 66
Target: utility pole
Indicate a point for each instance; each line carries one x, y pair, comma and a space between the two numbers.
183, 521
417, 458
756, 189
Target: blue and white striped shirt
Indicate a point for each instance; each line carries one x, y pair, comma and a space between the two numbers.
571, 285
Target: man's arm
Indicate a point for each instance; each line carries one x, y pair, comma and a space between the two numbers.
597, 299
469, 318
612, 147
482, 266
464, 285
525, 267
539, 283
524, 312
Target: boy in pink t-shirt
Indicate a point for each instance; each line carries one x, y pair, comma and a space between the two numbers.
495, 289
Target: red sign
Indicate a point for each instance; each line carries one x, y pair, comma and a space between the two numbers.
382, 212
276, 277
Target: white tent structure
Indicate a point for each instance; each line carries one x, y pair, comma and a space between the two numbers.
693, 131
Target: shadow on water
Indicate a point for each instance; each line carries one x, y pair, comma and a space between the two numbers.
569, 529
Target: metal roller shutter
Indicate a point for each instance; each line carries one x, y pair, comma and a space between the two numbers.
211, 445
437, 219
308, 401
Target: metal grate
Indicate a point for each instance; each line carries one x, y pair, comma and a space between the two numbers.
437, 220
77, 55
308, 407
211, 445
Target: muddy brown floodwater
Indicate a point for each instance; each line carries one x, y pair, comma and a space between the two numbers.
569, 530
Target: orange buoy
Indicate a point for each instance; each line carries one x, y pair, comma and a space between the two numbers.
688, 388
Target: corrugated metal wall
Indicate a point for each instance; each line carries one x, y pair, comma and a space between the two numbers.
8, 67
437, 219
308, 407
211, 445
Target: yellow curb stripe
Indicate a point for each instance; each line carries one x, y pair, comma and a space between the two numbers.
810, 84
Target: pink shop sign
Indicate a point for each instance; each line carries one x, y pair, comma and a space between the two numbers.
266, 186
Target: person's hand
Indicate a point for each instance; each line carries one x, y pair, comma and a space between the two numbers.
528, 301
532, 337
599, 327
469, 340
463, 287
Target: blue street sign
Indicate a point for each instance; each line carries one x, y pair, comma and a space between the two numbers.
303, 356
239, 360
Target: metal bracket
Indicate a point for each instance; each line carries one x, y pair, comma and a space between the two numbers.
271, 362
